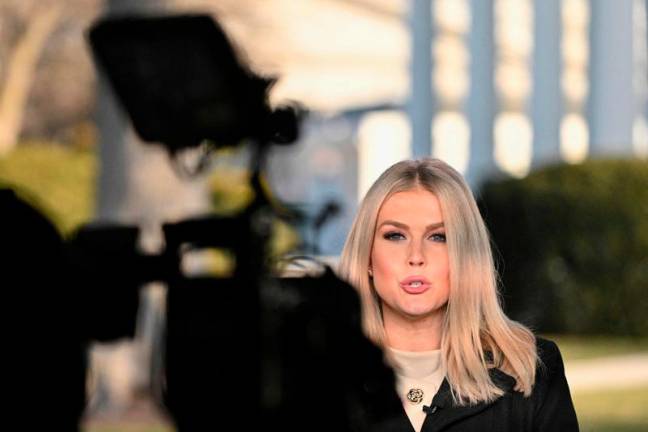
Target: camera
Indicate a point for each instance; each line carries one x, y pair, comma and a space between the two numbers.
250, 348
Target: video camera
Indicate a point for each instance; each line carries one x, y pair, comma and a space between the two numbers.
251, 349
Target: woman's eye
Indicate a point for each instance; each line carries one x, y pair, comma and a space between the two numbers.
393, 236
438, 237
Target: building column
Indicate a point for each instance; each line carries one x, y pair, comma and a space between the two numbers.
481, 99
546, 102
640, 48
420, 108
611, 99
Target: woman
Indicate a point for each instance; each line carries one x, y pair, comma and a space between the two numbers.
420, 257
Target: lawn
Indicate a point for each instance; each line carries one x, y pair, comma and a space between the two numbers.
618, 410
613, 410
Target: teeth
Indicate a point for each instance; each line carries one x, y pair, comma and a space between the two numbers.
416, 284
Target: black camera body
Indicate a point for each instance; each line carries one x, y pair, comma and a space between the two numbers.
250, 349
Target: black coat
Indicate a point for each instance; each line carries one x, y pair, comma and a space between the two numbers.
548, 408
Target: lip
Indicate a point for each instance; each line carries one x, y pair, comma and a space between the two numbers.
405, 284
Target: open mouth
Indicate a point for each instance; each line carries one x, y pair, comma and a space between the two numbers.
415, 285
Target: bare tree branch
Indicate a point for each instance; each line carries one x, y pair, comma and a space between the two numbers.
20, 72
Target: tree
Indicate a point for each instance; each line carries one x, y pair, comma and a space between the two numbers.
21, 67
45, 71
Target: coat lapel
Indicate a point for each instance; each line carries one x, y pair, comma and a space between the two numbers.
443, 411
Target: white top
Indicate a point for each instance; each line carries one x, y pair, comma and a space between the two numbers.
419, 375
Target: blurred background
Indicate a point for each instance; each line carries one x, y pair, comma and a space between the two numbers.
542, 105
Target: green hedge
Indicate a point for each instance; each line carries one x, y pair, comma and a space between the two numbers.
58, 180
572, 246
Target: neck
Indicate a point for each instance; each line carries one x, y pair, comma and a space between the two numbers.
416, 334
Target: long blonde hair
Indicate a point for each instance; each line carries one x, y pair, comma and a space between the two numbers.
474, 322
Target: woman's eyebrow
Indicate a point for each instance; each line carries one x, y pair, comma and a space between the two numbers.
405, 227
395, 223
434, 226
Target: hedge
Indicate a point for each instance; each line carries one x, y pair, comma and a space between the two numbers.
571, 242
58, 180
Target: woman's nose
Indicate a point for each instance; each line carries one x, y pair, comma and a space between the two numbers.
416, 261
416, 256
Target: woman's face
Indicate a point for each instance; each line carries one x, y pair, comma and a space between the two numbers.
409, 258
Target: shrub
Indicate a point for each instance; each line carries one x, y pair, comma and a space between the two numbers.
59, 181
572, 243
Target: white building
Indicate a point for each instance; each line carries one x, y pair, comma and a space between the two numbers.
508, 86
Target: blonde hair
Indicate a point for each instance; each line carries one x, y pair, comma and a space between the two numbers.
474, 322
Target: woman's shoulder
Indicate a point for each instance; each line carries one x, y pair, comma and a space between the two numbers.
549, 355
551, 399
550, 372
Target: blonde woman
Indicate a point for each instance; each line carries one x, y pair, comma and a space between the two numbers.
419, 255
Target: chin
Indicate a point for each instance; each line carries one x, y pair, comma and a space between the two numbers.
421, 311
418, 313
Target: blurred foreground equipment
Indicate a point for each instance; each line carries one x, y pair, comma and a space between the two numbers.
180, 82
249, 349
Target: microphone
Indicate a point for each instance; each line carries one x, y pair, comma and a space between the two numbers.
430, 409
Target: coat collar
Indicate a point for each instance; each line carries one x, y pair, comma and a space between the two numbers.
443, 398
443, 410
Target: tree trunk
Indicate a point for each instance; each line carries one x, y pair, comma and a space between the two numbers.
20, 73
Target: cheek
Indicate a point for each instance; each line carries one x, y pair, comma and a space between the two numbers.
444, 267
438, 259
444, 276
443, 273
382, 264
382, 259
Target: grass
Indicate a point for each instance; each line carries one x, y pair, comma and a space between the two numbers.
618, 410
623, 410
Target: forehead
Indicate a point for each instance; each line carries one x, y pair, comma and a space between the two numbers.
414, 204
